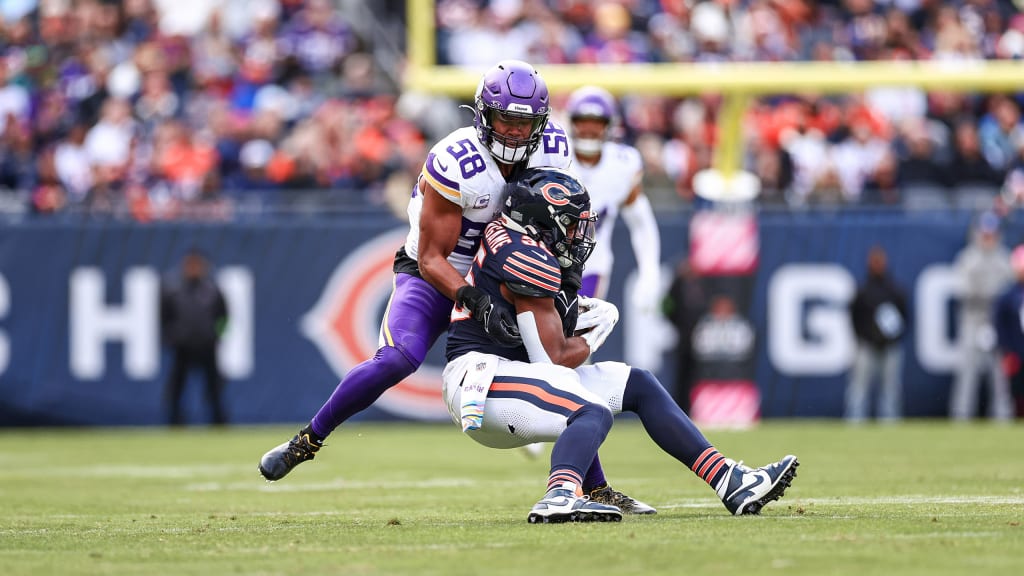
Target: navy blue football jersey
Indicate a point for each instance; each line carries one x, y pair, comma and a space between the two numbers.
519, 262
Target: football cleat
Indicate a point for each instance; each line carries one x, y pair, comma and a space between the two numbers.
562, 504
745, 491
608, 495
277, 463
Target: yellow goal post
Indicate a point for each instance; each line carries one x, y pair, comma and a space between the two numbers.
735, 82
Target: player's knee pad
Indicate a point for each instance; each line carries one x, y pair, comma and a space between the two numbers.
394, 363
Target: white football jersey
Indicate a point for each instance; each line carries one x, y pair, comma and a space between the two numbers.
609, 183
461, 169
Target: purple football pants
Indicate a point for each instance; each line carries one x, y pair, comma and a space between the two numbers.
415, 318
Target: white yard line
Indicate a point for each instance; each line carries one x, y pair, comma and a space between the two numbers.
907, 500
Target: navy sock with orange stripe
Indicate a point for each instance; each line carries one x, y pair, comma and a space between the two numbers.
577, 446
710, 466
670, 427
560, 476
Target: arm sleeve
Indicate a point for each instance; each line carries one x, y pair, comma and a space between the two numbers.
531, 338
644, 236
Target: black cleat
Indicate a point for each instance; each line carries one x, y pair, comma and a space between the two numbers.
608, 495
277, 463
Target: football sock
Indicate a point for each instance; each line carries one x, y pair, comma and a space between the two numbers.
711, 466
595, 476
361, 387
670, 427
313, 436
561, 476
577, 445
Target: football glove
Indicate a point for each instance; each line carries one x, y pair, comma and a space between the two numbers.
596, 321
498, 321
566, 301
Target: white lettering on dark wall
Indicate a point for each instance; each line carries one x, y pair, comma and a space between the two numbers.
935, 288
235, 352
821, 342
135, 323
809, 331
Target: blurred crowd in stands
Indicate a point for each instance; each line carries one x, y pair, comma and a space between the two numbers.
893, 146
159, 109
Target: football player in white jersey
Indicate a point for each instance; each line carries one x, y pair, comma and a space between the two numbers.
460, 190
612, 173
504, 397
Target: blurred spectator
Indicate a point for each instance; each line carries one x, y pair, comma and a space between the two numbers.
684, 305
857, 158
973, 181
920, 166
193, 316
878, 314
1009, 326
316, 39
982, 272
1001, 133
72, 164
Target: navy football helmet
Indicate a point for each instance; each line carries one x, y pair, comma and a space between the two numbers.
514, 91
552, 206
595, 103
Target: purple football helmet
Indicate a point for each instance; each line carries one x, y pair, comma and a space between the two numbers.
513, 91
592, 102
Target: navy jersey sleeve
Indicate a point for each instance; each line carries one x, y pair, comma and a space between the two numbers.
527, 269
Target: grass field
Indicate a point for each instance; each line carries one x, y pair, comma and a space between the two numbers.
920, 498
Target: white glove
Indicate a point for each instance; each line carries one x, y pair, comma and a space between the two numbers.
597, 318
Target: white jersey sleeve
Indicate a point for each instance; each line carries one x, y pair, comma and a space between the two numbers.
609, 183
555, 148
460, 168
462, 171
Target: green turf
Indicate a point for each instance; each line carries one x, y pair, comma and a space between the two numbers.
920, 498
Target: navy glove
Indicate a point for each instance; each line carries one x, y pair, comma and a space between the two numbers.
566, 300
498, 321
568, 310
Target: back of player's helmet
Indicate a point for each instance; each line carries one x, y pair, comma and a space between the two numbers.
511, 92
591, 102
552, 206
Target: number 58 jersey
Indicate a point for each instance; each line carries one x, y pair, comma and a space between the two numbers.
463, 171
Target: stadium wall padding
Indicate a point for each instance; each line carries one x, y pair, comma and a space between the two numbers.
306, 297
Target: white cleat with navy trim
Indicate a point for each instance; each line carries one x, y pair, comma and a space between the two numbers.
562, 504
745, 491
